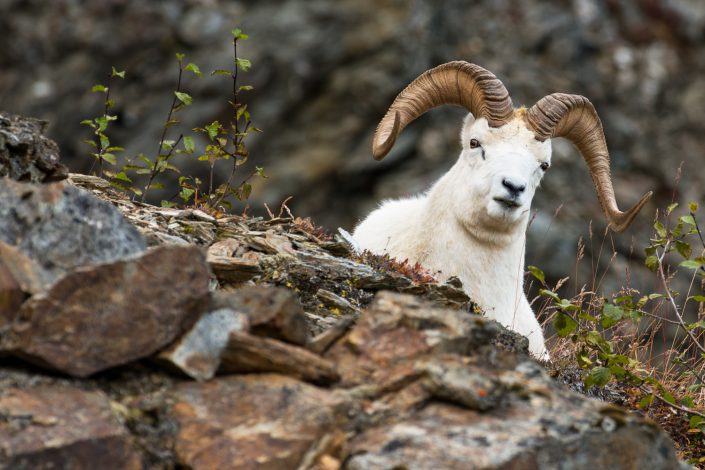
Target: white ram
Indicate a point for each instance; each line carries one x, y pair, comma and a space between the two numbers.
472, 222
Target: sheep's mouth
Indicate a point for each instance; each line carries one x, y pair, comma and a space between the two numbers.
507, 203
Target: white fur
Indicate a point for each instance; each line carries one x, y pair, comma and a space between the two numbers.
458, 228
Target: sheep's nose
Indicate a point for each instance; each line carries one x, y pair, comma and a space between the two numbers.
513, 187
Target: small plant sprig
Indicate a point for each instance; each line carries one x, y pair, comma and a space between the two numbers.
167, 148
103, 150
596, 325
228, 142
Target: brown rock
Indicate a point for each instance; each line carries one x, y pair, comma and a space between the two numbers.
19, 278
101, 316
397, 329
58, 427
273, 312
252, 422
197, 353
247, 353
521, 436
234, 270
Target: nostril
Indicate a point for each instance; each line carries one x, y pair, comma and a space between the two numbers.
513, 187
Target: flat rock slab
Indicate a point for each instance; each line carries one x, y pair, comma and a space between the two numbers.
248, 353
523, 436
25, 153
62, 227
97, 317
59, 427
274, 312
398, 329
258, 421
198, 352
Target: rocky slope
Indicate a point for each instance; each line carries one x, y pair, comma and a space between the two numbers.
165, 338
325, 71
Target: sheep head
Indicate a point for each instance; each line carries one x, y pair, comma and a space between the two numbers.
507, 150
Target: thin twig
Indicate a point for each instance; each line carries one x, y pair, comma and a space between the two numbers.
672, 301
163, 137
673, 405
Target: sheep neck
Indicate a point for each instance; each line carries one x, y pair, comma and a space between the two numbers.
466, 250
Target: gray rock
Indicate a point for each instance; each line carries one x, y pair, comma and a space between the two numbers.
198, 352
62, 227
25, 153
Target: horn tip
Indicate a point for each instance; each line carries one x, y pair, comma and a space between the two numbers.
625, 219
380, 150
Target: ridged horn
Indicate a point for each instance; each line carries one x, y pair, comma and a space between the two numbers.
575, 118
458, 83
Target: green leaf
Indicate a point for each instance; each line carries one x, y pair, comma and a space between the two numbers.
646, 401
671, 207
99, 88
122, 176
180, 56
259, 171
213, 129
599, 376
243, 64
115, 149
240, 111
185, 98
696, 422
165, 203
668, 396
611, 314
548, 293
221, 72
104, 141
688, 219
245, 88
583, 359
660, 229
109, 157
691, 264
115, 73
88, 122
564, 324
145, 159
239, 35
683, 248
189, 145
537, 273
699, 324
697, 298
651, 262
191, 67
186, 193
245, 191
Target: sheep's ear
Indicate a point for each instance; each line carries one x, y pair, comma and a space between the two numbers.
467, 122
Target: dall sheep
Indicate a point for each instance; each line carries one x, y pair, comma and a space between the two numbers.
472, 222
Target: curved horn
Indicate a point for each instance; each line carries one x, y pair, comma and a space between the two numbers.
575, 118
459, 83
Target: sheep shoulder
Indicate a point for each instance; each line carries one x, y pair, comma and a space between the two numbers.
394, 229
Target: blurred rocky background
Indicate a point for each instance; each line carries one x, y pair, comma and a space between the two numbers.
325, 71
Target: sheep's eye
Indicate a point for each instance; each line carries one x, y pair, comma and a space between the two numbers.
474, 143
544, 166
